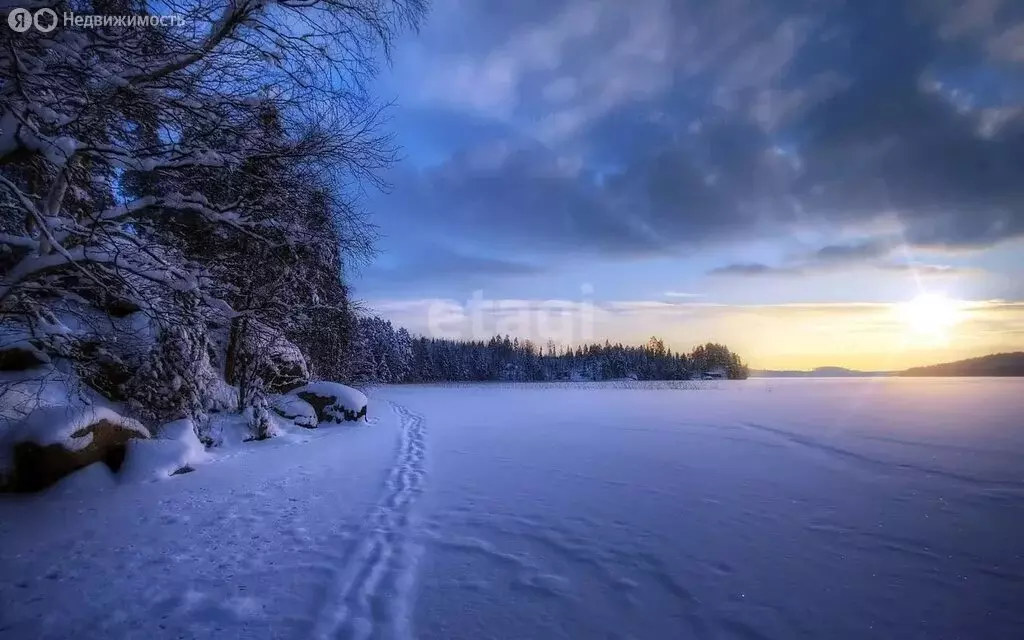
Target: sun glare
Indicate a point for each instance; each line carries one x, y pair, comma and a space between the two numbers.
930, 315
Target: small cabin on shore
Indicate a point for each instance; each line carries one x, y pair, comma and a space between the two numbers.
718, 373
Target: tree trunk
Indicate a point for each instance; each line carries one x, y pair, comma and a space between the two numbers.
234, 344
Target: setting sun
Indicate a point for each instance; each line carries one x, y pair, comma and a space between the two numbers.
930, 315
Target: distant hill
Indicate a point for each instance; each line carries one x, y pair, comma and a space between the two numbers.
820, 372
999, 364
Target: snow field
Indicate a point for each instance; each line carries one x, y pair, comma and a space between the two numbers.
760, 509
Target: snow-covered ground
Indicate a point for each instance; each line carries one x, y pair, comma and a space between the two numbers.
874, 508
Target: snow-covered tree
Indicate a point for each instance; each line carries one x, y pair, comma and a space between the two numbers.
178, 379
207, 160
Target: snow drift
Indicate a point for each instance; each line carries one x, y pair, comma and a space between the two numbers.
175, 450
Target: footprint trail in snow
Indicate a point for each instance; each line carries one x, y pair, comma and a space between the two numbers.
370, 596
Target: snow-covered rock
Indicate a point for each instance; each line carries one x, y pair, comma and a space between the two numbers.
175, 450
287, 367
71, 427
333, 402
294, 408
54, 441
279, 362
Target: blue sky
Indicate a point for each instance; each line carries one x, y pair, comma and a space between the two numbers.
741, 152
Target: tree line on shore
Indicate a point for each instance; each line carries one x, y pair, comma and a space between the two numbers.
389, 355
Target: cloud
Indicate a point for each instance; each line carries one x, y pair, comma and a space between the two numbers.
516, 192
490, 84
681, 294
857, 252
752, 269
923, 269
656, 127
827, 258
441, 263
568, 63
541, 134
516, 195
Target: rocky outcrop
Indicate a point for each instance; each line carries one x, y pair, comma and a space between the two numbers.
293, 408
286, 371
333, 402
255, 350
35, 466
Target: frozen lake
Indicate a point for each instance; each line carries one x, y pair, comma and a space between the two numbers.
838, 508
